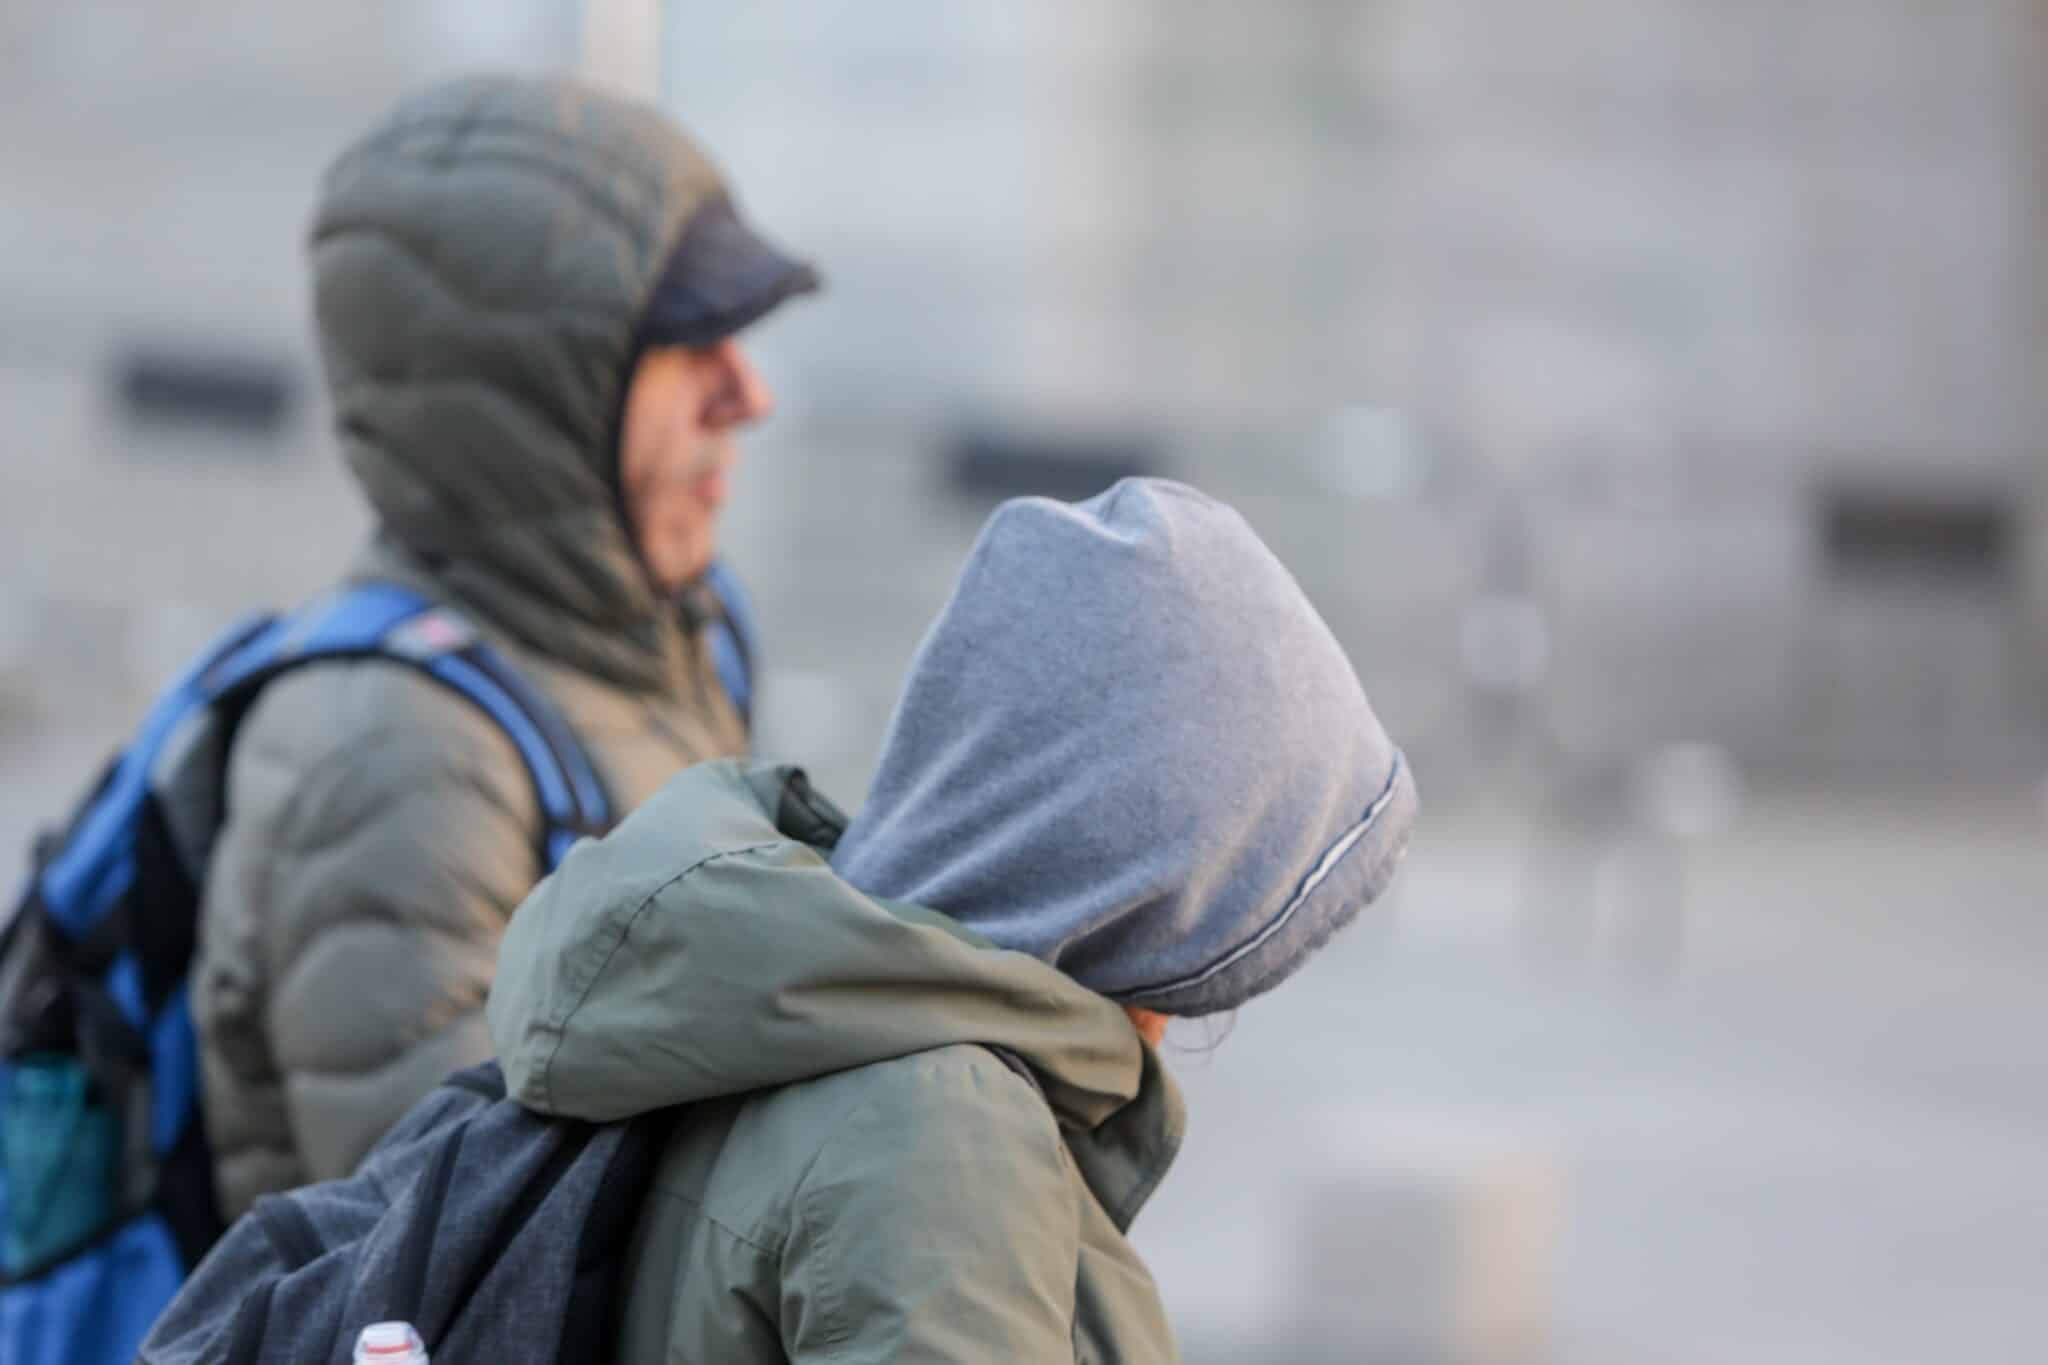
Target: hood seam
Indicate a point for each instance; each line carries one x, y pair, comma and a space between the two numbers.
1327, 863
466, 126
544, 1080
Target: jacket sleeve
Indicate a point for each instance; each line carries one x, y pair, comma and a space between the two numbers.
355, 905
937, 1226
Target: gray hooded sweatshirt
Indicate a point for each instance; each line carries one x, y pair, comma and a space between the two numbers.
1131, 748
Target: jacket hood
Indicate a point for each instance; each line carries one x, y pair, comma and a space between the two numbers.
706, 948
481, 261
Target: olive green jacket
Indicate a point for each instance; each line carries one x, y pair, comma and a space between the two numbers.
480, 264
901, 1144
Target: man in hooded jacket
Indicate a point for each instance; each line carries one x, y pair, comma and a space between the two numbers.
527, 295
1131, 775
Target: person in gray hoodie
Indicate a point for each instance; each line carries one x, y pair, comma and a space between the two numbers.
1131, 776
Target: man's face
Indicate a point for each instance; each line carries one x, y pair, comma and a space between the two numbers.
676, 451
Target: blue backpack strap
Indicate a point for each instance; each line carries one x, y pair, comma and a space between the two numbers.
732, 638
95, 865
382, 620
572, 797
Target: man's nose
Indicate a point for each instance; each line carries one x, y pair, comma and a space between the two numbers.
741, 394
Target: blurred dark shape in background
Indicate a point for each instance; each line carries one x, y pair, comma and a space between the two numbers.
992, 462
238, 393
1947, 536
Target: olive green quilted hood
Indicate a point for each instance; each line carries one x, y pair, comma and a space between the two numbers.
481, 262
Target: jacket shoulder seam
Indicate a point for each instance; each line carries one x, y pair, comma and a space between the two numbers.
623, 931
678, 1197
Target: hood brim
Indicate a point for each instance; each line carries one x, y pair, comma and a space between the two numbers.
722, 277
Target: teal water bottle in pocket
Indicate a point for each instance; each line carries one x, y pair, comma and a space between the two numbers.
60, 1153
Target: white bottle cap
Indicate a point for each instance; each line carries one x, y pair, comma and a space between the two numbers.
390, 1343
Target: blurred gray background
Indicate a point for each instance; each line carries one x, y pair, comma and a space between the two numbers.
1644, 389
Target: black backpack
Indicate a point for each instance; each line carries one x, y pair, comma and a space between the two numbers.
500, 1235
